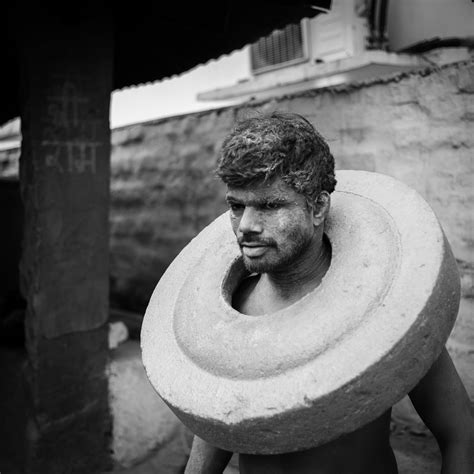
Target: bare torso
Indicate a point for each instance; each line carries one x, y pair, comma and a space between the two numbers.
364, 451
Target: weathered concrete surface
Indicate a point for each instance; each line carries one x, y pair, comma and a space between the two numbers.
383, 312
66, 78
55, 412
12, 409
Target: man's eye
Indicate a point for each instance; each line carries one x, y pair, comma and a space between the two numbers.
236, 207
272, 205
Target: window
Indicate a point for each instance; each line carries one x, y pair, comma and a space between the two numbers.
281, 48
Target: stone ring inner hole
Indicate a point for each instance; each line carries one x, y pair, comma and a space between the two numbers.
237, 272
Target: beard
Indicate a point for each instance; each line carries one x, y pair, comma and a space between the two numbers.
278, 257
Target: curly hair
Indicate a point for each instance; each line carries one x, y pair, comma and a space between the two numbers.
282, 145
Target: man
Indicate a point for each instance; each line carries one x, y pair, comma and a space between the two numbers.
280, 173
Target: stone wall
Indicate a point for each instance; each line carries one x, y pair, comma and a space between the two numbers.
163, 194
415, 127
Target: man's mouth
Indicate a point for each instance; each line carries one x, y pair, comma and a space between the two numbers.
253, 249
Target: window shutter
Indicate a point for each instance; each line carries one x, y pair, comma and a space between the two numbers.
282, 47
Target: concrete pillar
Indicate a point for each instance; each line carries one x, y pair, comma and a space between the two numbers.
66, 80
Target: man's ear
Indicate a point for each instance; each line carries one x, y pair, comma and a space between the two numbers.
321, 208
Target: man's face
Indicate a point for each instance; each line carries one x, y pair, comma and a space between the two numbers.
272, 223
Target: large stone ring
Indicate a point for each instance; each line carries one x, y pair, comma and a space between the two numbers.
326, 365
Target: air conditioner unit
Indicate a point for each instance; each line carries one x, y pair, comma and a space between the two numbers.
284, 47
339, 34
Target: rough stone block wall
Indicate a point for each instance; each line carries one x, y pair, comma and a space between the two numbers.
163, 193
415, 127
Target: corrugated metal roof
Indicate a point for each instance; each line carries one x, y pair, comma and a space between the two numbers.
155, 40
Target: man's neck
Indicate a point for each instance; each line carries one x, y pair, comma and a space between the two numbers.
302, 275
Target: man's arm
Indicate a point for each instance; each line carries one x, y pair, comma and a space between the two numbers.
206, 459
443, 404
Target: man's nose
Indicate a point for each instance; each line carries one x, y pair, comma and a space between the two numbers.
251, 221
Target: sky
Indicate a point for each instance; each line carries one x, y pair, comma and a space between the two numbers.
177, 95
